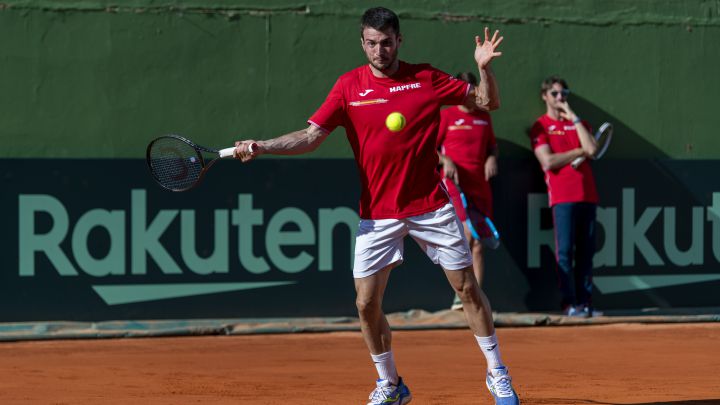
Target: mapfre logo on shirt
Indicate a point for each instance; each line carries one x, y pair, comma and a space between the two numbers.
405, 87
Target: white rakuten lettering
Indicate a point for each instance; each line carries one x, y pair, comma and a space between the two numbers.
146, 235
631, 231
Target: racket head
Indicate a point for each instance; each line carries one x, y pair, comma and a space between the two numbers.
482, 228
175, 162
603, 137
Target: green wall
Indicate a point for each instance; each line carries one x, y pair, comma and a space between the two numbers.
100, 79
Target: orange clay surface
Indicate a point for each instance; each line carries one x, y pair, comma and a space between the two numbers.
609, 364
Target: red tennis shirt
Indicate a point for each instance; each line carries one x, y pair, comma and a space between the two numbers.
398, 170
466, 138
564, 184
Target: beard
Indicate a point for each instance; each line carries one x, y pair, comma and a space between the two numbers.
388, 63
379, 66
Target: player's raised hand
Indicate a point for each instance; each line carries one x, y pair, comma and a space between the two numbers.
565, 111
486, 51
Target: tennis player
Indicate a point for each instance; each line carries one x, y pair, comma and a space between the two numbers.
558, 137
401, 189
469, 157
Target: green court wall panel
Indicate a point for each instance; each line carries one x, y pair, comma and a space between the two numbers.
99, 79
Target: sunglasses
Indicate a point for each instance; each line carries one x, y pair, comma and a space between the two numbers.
564, 93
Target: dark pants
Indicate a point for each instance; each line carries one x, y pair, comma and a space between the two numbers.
575, 233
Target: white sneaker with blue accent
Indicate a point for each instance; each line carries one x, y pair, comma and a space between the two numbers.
500, 385
387, 394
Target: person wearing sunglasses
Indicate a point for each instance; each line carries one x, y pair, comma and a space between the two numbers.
558, 137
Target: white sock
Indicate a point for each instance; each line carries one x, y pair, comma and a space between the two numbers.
490, 348
385, 365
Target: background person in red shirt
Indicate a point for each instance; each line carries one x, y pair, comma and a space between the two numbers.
469, 156
401, 189
558, 138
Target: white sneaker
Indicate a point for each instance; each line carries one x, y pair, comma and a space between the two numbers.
577, 311
457, 304
388, 394
500, 385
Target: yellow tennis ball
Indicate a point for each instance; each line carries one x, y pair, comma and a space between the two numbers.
395, 121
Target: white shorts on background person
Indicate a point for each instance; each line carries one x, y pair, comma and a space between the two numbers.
379, 242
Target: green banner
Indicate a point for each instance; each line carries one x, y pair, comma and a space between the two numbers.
98, 239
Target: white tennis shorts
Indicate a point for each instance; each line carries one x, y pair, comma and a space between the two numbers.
379, 242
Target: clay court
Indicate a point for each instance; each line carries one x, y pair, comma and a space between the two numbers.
597, 364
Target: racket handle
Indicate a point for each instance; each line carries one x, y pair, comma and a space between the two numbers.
227, 152
575, 163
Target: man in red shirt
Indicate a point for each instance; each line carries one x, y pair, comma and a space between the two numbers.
469, 157
401, 191
558, 138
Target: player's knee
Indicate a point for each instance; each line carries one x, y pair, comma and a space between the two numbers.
467, 289
367, 304
466, 293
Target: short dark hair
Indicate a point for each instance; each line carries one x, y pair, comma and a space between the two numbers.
379, 18
548, 83
467, 77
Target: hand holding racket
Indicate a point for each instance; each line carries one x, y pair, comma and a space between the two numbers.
603, 136
246, 150
481, 227
178, 164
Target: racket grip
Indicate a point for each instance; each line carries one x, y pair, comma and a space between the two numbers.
227, 152
575, 163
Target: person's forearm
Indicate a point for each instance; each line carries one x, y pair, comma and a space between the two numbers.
294, 143
587, 141
487, 95
557, 160
494, 151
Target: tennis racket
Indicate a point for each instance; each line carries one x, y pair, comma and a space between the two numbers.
603, 136
178, 164
480, 225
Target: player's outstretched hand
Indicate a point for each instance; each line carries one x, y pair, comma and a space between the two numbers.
486, 51
246, 150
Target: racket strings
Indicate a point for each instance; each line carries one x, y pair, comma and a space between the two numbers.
483, 230
175, 164
486, 234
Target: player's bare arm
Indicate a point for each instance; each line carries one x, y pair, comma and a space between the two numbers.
491, 164
587, 141
551, 161
294, 143
449, 168
486, 94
